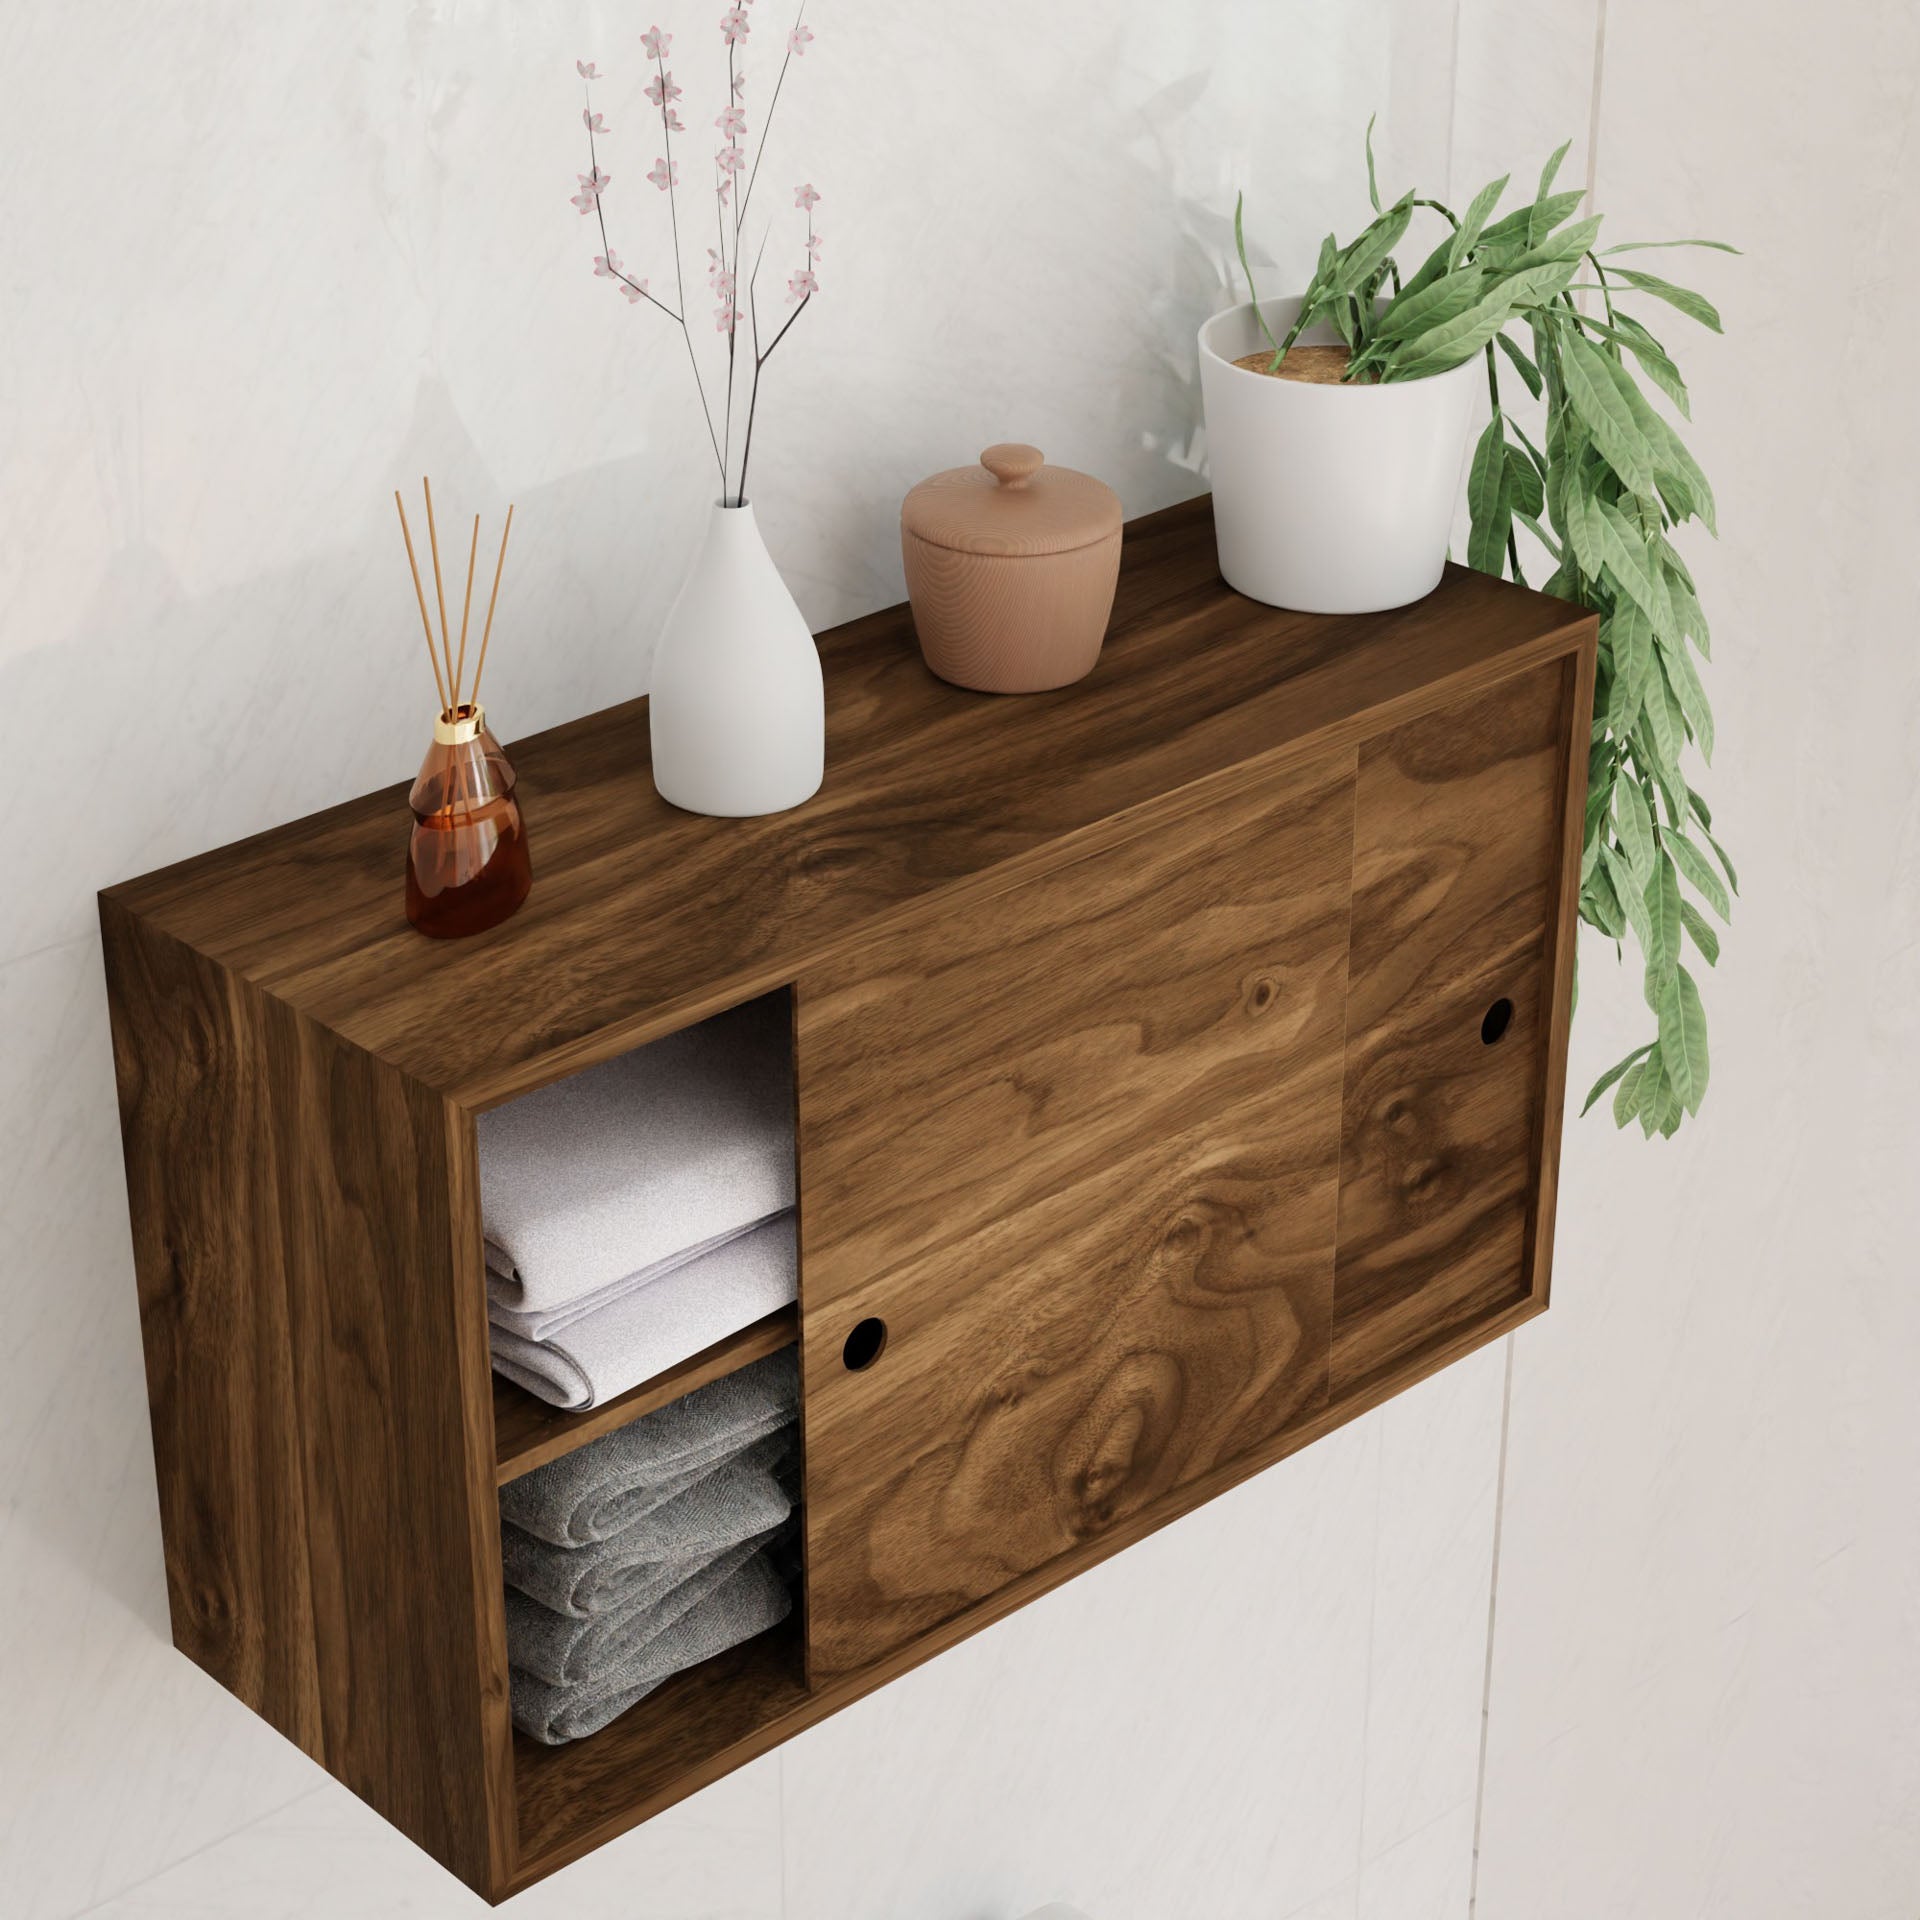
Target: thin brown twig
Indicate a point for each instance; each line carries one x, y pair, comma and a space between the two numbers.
486, 632
426, 625
466, 612
439, 592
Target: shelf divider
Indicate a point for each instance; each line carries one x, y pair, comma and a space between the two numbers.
527, 1433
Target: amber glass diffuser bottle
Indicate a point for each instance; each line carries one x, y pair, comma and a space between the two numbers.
467, 862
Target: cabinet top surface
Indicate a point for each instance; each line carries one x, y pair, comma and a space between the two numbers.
643, 918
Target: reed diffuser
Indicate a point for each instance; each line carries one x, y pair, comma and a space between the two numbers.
467, 863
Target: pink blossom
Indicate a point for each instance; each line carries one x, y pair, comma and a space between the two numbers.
606, 266
725, 319
730, 159
661, 89
802, 284
655, 42
592, 185
720, 190
813, 246
587, 70
594, 122
670, 119
806, 197
799, 38
665, 175
739, 86
635, 290
734, 24
732, 122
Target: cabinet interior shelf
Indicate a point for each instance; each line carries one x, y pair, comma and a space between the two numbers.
1178, 1059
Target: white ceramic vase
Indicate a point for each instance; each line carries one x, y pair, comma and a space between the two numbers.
1329, 499
737, 709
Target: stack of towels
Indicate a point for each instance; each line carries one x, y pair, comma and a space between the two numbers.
644, 1553
640, 1211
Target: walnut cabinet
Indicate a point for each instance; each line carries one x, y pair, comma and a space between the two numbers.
1179, 1063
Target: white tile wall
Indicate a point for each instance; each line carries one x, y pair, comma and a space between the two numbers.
262, 264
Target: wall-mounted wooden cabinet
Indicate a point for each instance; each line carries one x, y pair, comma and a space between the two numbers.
1179, 1065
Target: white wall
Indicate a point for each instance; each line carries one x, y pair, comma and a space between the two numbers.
263, 264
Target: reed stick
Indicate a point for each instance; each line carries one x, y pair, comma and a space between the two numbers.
439, 592
459, 672
486, 632
426, 625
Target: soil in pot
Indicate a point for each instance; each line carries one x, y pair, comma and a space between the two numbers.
1315, 366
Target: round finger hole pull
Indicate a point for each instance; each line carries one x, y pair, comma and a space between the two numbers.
1498, 1018
864, 1344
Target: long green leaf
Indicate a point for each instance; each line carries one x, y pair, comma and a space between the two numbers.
1538, 224
1518, 227
1373, 184
1488, 506
1605, 413
1446, 346
1634, 821
1363, 259
1693, 863
1522, 363
1683, 1039
1468, 232
1631, 894
1626, 1103
1655, 362
1695, 306
1685, 681
1417, 309
1629, 564
1663, 925
1656, 1093
1650, 246
1523, 483
1633, 664
1240, 243
1701, 930
1616, 1072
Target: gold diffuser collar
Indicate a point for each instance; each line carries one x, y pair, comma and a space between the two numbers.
455, 726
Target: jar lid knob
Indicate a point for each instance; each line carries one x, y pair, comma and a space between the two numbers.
1012, 464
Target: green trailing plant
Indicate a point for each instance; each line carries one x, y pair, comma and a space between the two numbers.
1600, 497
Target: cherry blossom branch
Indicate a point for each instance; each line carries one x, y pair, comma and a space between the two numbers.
607, 265
805, 285
796, 43
661, 42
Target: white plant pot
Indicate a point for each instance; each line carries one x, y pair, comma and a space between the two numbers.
737, 710
1329, 499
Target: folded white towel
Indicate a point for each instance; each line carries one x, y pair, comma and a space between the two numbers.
599, 1355
602, 1177
544, 1321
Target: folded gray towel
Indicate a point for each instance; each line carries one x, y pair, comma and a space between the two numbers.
753, 1599
597, 1356
609, 1485
606, 1174
549, 1646
739, 1500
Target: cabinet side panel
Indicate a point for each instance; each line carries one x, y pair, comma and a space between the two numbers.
1457, 844
202, 1189
387, 1319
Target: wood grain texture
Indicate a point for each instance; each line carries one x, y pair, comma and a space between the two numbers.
574, 1799
1076, 1119
528, 1432
1078, 1151
643, 918
313, 1313
195, 1091
1457, 848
